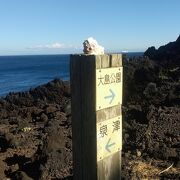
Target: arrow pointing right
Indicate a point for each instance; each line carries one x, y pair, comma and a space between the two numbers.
111, 97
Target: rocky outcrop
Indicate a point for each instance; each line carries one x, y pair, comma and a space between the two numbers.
168, 54
36, 132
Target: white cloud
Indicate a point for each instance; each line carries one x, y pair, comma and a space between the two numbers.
49, 46
57, 45
54, 48
37, 47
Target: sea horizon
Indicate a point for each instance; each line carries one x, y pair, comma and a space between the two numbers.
22, 72
123, 52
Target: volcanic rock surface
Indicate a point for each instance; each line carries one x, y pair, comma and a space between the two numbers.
168, 54
36, 132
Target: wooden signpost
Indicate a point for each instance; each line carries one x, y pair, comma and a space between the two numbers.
96, 87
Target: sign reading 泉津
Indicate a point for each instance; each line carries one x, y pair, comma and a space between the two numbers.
109, 134
108, 87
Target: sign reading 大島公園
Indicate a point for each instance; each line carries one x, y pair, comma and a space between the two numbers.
108, 87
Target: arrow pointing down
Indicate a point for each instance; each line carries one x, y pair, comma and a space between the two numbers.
111, 97
109, 145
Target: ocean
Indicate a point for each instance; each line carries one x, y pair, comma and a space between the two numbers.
20, 73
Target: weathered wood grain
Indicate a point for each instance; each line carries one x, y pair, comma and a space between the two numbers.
84, 118
115, 60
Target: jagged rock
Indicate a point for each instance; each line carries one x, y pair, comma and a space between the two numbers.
150, 52
168, 54
150, 124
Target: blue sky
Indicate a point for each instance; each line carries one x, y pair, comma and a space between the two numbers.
61, 26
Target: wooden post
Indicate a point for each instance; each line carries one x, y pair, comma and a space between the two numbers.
96, 87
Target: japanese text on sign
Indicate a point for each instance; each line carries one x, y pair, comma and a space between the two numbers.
109, 78
109, 137
108, 87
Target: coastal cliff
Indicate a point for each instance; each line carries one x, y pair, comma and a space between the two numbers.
168, 54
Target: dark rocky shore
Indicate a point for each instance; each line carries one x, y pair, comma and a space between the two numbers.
36, 134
